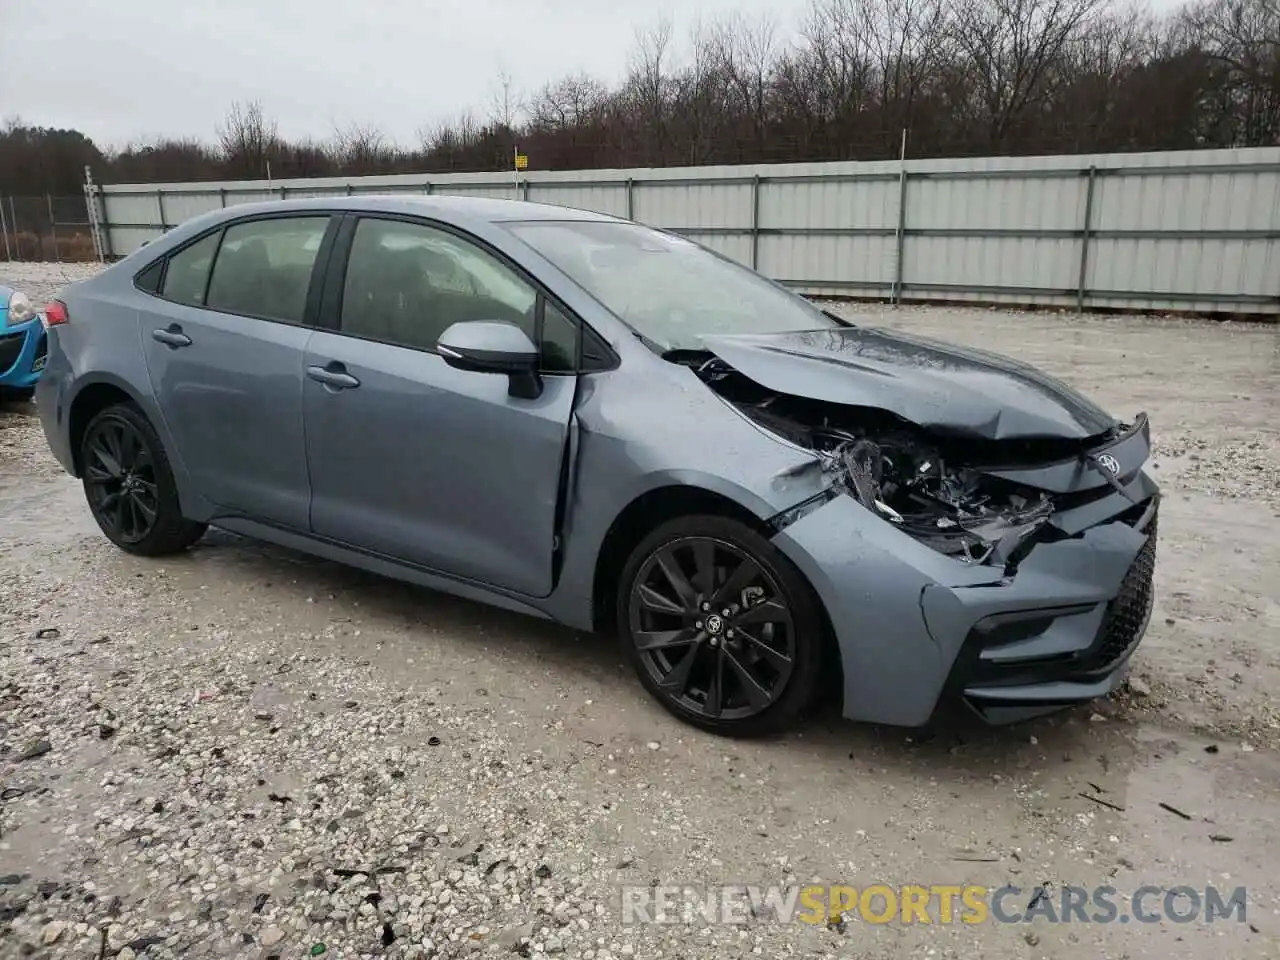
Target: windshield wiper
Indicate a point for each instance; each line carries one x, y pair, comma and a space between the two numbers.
839, 319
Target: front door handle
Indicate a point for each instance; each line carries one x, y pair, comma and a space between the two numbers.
171, 336
334, 375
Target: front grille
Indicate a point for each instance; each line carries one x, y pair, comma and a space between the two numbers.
10, 347
1127, 614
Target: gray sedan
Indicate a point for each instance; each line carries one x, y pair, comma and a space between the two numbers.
611, 426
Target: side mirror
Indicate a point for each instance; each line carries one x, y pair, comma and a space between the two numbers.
493, 346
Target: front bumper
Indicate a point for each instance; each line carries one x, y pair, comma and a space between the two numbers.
1022, 664
23, 350
915, 627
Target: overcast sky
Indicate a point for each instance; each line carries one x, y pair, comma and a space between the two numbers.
138, 69
130, 70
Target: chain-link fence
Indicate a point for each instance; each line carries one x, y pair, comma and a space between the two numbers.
45, 228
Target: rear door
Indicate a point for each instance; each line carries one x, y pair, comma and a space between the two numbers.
412, 458
224, 339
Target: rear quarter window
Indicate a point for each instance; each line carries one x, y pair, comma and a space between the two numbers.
187, 275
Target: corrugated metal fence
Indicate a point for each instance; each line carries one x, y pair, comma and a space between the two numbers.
1194, 231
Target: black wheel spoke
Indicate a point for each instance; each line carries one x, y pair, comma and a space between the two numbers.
741, 578
715, 692
651, 599
109, 462
756, 695
111, 440
96, 473
704, 565
778, 660
144, 511
677, 680
670, 567
664, 639
768, 611
130, 508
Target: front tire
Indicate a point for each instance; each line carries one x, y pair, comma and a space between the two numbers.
130, 486
721, 627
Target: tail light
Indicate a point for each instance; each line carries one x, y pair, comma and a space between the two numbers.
56, 313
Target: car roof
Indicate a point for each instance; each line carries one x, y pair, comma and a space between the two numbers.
455, 209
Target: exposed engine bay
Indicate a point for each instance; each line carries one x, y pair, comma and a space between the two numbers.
933, 486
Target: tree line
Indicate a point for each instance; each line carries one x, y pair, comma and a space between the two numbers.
962, 77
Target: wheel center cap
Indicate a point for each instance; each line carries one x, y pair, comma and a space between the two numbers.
715, 624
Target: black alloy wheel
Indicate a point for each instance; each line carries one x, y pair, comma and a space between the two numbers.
129, 485
722, 628
120, 479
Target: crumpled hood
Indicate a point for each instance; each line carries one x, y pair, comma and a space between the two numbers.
932, 384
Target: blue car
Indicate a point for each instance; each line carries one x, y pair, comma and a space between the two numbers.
23, 346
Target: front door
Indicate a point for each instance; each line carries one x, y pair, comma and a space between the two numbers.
410, 457
224, 342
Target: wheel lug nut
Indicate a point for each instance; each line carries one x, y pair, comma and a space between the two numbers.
706, 606
715, 642
698, 624
726, 612
729, 634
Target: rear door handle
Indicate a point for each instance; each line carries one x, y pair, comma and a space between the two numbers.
171, 336
334, 375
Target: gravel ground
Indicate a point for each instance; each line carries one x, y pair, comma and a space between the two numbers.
244, 752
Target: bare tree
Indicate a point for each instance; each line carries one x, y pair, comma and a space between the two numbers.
1011, 47
1242, 38
248, 139
575, 101
648, 87
361, 148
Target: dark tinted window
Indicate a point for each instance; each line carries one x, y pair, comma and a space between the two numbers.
595, 354
149, 279
187, 275
264, 267
407, 283
559, 341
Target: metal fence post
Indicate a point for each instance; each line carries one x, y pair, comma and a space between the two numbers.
13, 225
900, 232
1084, 238
104, 225
164, 224
524, 189
631, 199
900, 236
53, 228
222, 196
4, 228
755, 222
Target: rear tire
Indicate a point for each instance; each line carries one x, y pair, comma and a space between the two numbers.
721, 627
130, 486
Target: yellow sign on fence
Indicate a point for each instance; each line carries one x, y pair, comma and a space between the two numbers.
522, 161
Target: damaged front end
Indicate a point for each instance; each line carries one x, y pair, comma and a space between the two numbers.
968, 497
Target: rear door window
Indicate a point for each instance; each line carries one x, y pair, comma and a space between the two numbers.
187, 275
264, 267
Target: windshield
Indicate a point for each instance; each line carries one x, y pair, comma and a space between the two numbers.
666, 288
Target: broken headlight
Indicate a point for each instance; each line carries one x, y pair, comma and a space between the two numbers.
958, 512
